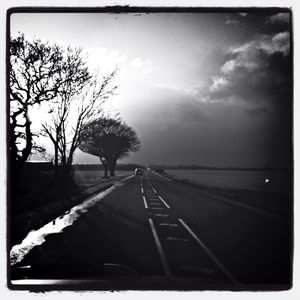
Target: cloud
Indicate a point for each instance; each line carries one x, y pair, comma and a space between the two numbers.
255, 74
232, 19
109, 59
229, 21
136, 63
279, 18
235, 18
146, 65
105, 59
218, 82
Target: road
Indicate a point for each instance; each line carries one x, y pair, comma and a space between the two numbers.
170, 235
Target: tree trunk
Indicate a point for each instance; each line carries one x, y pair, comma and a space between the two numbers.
17, 161
56, 156
13, 161
112, 167
112, 172
27, 150
104, 163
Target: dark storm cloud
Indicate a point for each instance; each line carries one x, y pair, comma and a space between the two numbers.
231, 20
255, 73
235, 19
283, 18
276, 23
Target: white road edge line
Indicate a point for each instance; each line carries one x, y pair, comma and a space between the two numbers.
160, 250
163, 201
145, 202
211, 255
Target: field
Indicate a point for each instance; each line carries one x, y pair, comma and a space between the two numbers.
271, 181
270, 191
87, 177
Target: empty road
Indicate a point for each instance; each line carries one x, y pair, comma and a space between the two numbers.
158, 233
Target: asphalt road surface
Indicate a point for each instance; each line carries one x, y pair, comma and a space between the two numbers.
159, 234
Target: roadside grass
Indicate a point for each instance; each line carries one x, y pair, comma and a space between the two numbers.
89, 177
274, 202
41, 199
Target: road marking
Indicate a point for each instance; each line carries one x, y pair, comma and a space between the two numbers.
172, 238
154, 190
148, 180
155, 203
161, 215
163, 201
168, 224
126, 178
145, 202
160, 250
160, 208
142, 190
210, 254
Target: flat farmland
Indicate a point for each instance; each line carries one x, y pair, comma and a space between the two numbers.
93, 176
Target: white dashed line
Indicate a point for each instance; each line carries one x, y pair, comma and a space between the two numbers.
145, 202
163, 201
154, 190
142, 190
160, 250
168, 224
161, 215
172, 238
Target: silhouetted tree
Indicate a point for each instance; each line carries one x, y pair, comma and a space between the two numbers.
109, 139
77, 104
76, 70
34, 77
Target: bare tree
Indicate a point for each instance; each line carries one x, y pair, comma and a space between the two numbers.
76, 105
34, 73
75, 74
109, 139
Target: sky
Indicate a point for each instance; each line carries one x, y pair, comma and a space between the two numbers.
209, 89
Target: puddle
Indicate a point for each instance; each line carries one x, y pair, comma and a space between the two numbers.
38, 237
